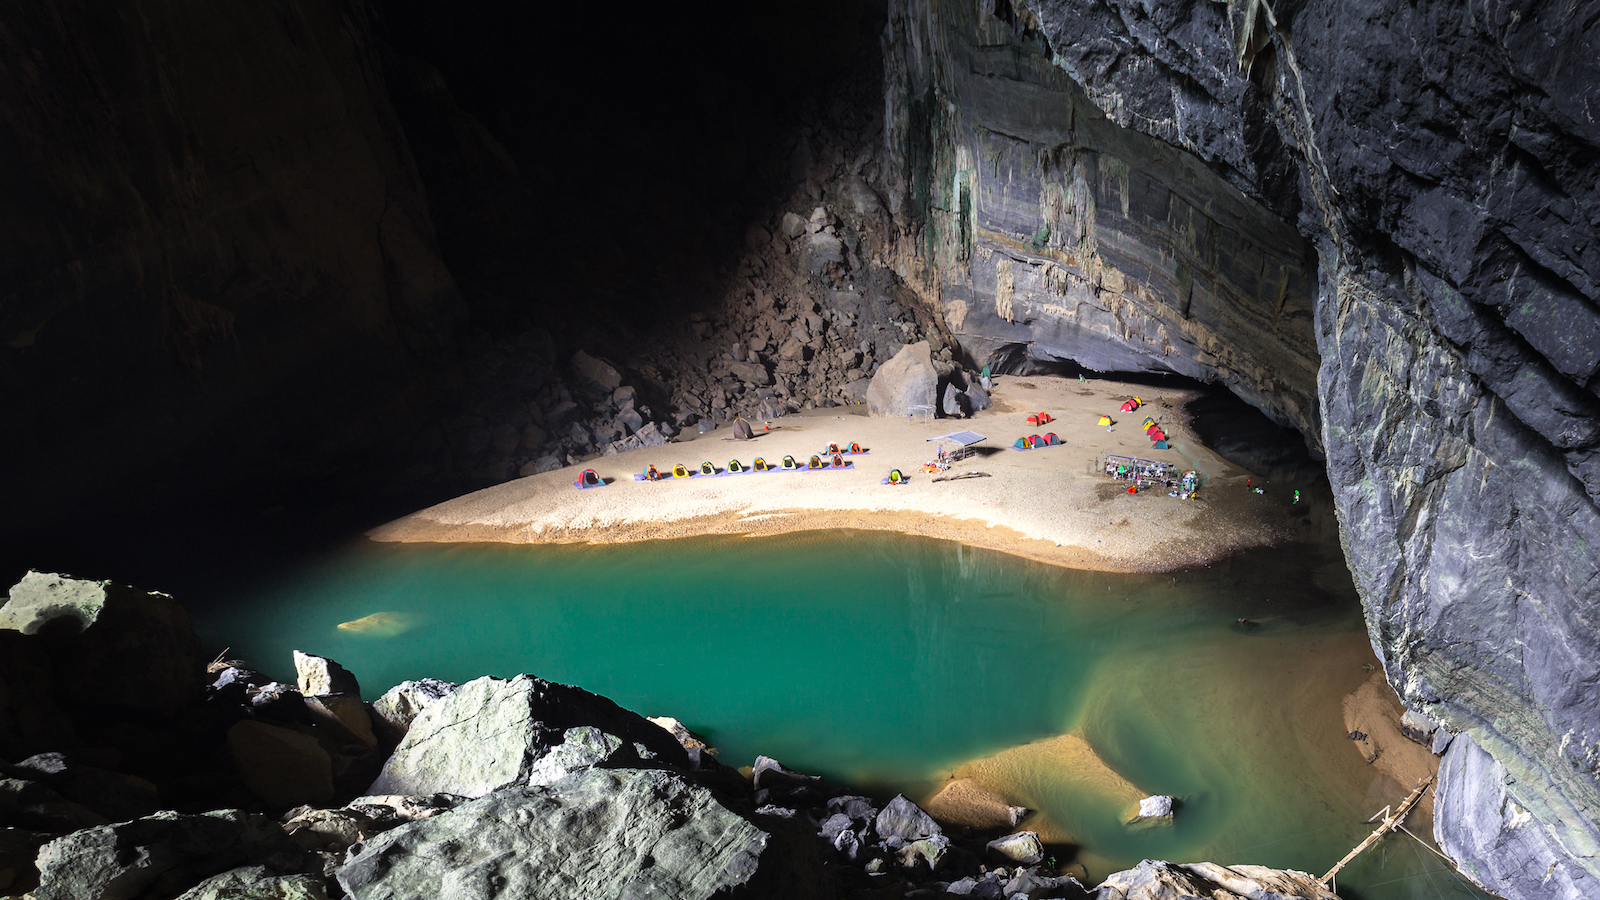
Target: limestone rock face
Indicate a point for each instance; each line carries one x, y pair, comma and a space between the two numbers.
109, 644
393, 713
906, 381
318, 675
493, 733
1421, 299
595, 833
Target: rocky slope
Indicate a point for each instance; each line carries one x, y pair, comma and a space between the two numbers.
1441, 163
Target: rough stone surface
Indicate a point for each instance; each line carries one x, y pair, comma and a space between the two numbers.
163, 854
109, 644
318, 675
1156, 880
393, 713
1023, 847
596, 372
903, 819
595, 833
257, 883
903, 382
493, 733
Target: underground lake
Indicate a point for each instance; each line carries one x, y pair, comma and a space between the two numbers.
892, 664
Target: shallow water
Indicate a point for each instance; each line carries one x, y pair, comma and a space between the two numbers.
887, 661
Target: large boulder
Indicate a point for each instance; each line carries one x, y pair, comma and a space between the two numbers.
159, 855
1023, 847
109, 645
493, 733
903, 819
751, 373
594, 833
280, 765
903, 383
1157, 880
596, 373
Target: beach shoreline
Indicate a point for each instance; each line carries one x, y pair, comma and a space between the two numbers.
1049, 504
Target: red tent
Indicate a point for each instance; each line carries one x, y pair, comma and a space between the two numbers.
1156, 434
1129, 406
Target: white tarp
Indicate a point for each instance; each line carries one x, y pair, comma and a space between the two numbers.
963, 438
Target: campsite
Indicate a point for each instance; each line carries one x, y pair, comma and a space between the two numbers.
1053, 501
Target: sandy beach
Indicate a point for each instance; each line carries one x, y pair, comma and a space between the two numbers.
1050, 504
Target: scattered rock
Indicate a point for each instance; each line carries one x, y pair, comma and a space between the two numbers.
793, 225
751, 373
318, 675
327, 829
1156, 880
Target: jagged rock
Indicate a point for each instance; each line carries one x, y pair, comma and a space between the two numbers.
257, 883
109, 644
905, 820
115, 796
1418, 727
977, 398
751, 373
594, 833
561, 412
392, 810
162, 854
792, 226
686, 739
861, 810
624, 397
769, 774
706, 426
652, 434
596, 373
281, 766
953, 404
1157, 880
906, 381
856, 390
548, 463
393, 712
318, 675
492, 733
823, 249
631, 420
770, 409
1033, 884
1023, 847
327, 829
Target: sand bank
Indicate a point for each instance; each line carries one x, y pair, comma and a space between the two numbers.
1048, 504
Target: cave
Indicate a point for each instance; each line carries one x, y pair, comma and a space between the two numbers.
277, 274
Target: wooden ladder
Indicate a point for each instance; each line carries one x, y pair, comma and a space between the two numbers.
1391, 822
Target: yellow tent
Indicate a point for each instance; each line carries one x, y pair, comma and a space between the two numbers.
1105, 420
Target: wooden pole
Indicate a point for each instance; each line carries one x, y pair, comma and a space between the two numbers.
1389, 824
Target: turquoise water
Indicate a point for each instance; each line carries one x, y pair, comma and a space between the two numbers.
886, 662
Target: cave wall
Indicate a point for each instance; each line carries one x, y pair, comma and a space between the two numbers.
1442, 160
1046, 230
216, 256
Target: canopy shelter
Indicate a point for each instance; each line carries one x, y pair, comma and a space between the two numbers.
963, 441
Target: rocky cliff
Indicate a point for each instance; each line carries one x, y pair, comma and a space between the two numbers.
212, 226
1441, 161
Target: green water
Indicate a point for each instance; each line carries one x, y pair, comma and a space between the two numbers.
886, 661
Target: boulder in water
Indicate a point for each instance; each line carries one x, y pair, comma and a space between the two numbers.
493, 733
903, 383
1154, 810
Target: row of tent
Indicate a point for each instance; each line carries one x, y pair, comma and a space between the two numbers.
1158, 438
707, 469
1033, 441
1132, 404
